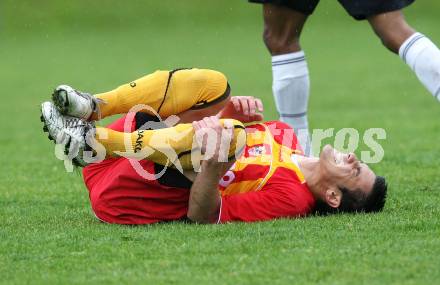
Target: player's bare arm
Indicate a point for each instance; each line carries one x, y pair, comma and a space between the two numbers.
204, 201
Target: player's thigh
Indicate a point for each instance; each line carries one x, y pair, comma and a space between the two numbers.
283, 24
362, 9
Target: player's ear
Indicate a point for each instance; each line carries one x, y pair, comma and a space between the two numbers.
333, 196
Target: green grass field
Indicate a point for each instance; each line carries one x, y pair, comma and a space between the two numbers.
48, 234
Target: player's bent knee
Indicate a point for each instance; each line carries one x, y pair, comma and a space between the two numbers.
390, 45
280, 44
192, 88
393, 41
239, 140
215, 89
190, 156
392, 29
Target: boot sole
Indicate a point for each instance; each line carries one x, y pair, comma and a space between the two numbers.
61, 101
45, 128
76, 161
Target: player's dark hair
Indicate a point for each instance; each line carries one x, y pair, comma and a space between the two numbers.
356, 201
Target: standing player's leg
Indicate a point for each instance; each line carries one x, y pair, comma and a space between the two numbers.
166, 92
388, 22
415, 49
291, 84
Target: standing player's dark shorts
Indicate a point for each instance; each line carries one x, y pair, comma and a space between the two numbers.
358, 9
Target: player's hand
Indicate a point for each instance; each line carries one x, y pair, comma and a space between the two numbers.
243, 108
214, 138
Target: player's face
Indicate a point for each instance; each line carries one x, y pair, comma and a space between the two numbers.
345, 171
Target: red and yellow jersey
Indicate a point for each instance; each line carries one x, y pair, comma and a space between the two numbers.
265, 182
264, 154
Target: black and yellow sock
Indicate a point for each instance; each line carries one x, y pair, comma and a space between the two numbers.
166, 92
168, 146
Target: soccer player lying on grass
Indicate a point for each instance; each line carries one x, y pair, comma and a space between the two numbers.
252, 173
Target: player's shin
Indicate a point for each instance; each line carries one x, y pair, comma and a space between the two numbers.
166, 92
